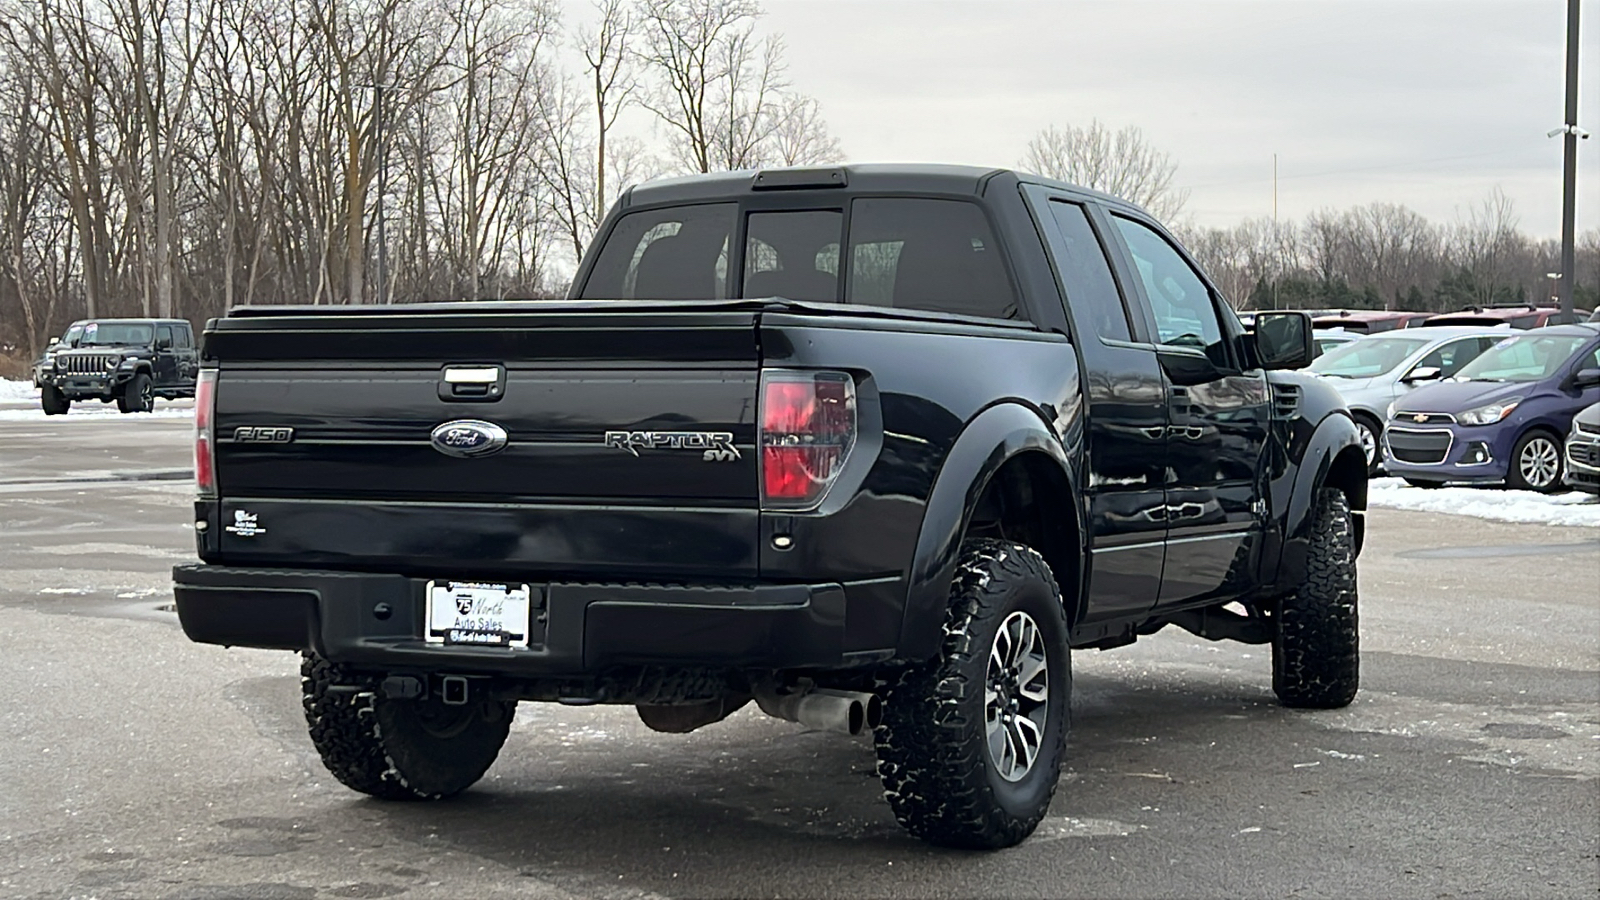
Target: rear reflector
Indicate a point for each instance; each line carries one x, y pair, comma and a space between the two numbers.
808, 425
205, 458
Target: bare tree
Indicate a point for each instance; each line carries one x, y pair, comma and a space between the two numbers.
1486, 245
1122, 163
612, 67
800, 137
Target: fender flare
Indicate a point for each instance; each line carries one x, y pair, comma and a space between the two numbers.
992, 438
1334, 436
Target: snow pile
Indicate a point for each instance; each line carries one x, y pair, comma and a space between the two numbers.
92, 410
18, 391
1573, 508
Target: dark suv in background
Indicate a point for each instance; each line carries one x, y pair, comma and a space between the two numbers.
131, 361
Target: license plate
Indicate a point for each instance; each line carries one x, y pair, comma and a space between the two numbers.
478, 614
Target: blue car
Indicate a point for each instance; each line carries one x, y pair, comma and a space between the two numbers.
1502, 417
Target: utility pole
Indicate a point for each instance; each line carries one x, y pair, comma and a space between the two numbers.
1277, 241
1570, 133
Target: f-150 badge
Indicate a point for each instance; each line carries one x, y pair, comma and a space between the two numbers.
715, 446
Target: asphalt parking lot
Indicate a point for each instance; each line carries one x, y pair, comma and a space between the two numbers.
136, 764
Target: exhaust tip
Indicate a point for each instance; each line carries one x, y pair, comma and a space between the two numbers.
874, 712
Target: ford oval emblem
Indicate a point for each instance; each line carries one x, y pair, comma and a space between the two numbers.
468, 437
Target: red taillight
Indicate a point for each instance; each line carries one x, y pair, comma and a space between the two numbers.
808, 425
205, 461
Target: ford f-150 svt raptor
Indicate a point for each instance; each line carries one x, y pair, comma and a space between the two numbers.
875, 446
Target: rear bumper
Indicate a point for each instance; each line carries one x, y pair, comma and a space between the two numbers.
376, 621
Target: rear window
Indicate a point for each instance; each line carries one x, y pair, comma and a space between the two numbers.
909, 253
680, 253
937, 255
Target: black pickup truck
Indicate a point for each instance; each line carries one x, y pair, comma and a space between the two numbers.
876, 447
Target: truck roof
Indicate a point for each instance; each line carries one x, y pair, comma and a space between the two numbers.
897, 178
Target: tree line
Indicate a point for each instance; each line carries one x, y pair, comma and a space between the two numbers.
180, 157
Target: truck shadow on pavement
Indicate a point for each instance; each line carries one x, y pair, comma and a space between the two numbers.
581, 796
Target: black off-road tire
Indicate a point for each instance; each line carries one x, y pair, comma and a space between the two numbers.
137, 396
933, 757
398, 749
53, 401
1316, 658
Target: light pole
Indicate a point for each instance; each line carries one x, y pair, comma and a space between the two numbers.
1569, 164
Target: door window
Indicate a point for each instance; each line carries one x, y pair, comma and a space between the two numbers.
1447, 358
164, 334
1092, 296
1184, 311
182, 338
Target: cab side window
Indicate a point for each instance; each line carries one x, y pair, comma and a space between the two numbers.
182, 338
164, 336
1185, 314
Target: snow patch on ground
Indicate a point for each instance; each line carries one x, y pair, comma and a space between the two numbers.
96, 411
1573, 508
21, 391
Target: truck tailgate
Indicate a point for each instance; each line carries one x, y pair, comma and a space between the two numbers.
628, 440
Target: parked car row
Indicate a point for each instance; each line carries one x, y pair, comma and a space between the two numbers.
1375, 321
1371, 373
1502, 417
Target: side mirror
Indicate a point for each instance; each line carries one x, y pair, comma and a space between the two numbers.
1283, 340
163, 343
1586, 378
1423, 373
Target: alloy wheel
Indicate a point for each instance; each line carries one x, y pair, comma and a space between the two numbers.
1369, 442
1539, 463
1016, 696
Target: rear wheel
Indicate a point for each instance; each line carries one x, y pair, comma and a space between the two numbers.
52, 401
1316, 658
971, 743
398, 749
137, 396
1536, 463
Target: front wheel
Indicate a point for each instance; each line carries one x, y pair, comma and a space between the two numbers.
1536, 463
138, 396
53, 401
1316, 652
398, 749
971, 743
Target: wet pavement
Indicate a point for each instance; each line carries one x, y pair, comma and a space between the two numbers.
137, 764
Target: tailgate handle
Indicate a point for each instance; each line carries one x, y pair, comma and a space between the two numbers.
472, 383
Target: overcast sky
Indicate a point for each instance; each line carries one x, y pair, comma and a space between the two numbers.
1430, 104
